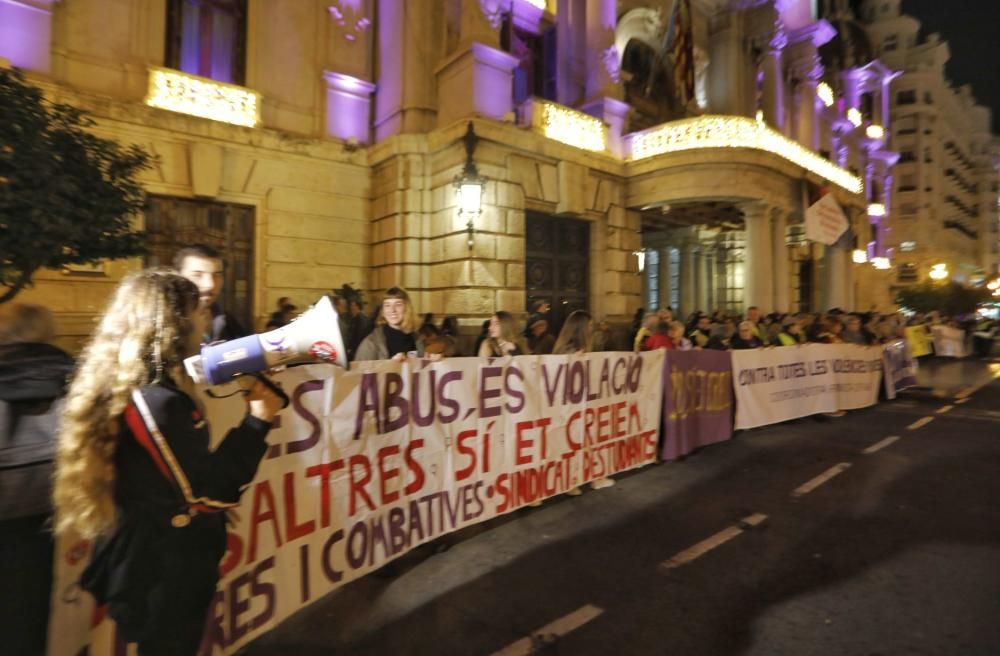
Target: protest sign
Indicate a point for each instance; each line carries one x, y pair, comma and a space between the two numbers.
367, 464
778, 384
825, 221
948, 342
698, 401
919, 341
898, 366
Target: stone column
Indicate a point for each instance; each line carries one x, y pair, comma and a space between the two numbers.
773, 92
711, 282
663, 299
782, 278
704, 282
348, 103
601, 54
758, 259
807, 130
687, 300
836, 279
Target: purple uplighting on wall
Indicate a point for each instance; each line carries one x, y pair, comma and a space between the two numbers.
348, 104
26, 35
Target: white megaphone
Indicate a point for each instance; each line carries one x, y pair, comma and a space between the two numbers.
312, 337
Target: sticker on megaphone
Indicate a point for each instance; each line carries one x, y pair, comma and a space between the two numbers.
312, 337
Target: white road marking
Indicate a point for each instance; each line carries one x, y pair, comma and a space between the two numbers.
809, 486
881, 444
945, 409
548, 633
720, 538
972, 389
920, 423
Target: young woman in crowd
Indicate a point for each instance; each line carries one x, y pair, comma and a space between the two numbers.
658, 337
395, 334
504, 338
134, 468
575, 338
677, 339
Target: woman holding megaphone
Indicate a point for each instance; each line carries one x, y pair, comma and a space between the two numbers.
134, 468
395, 334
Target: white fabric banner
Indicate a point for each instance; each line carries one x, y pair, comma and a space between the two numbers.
781, 383
370, 463
948, 342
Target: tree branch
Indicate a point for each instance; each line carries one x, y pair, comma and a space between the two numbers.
13, 290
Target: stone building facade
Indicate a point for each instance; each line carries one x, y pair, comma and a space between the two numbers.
318, 144
947, 181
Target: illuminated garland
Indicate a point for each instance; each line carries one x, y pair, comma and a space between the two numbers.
570, 126
198, 96
736, 132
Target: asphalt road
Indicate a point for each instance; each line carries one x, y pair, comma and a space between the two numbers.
789, 539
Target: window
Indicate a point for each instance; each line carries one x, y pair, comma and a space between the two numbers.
906, 125
928, 98
208, 38
731, 257
907, 272
652, 266
906, 97
535, 74
906, 156
675, 277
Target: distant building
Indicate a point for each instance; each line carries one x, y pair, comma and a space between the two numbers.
948, 176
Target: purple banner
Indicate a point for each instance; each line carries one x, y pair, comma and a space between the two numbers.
697, 400
899, 369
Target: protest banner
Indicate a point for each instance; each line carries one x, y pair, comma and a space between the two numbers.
777, 384
367, 464
919, 341
697, 401
948, 342
898, 366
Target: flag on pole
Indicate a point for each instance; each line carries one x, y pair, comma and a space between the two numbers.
682, 49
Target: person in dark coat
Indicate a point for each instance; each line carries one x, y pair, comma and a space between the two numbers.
135, 472
202, 265
746, 337
33, 376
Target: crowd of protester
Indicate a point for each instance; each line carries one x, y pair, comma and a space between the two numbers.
129, 383
725, 331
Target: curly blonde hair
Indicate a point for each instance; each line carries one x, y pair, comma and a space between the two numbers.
144, 332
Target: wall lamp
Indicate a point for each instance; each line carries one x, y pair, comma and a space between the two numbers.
469, 185
640, 259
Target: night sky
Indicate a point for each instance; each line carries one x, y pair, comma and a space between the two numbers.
971, 29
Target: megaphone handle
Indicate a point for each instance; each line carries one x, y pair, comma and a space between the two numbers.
280, 393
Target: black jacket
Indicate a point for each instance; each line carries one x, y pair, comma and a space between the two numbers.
225, 326
159, 570
32, 380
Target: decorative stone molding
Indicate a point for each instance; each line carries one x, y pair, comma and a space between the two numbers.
349, 21
348, 104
